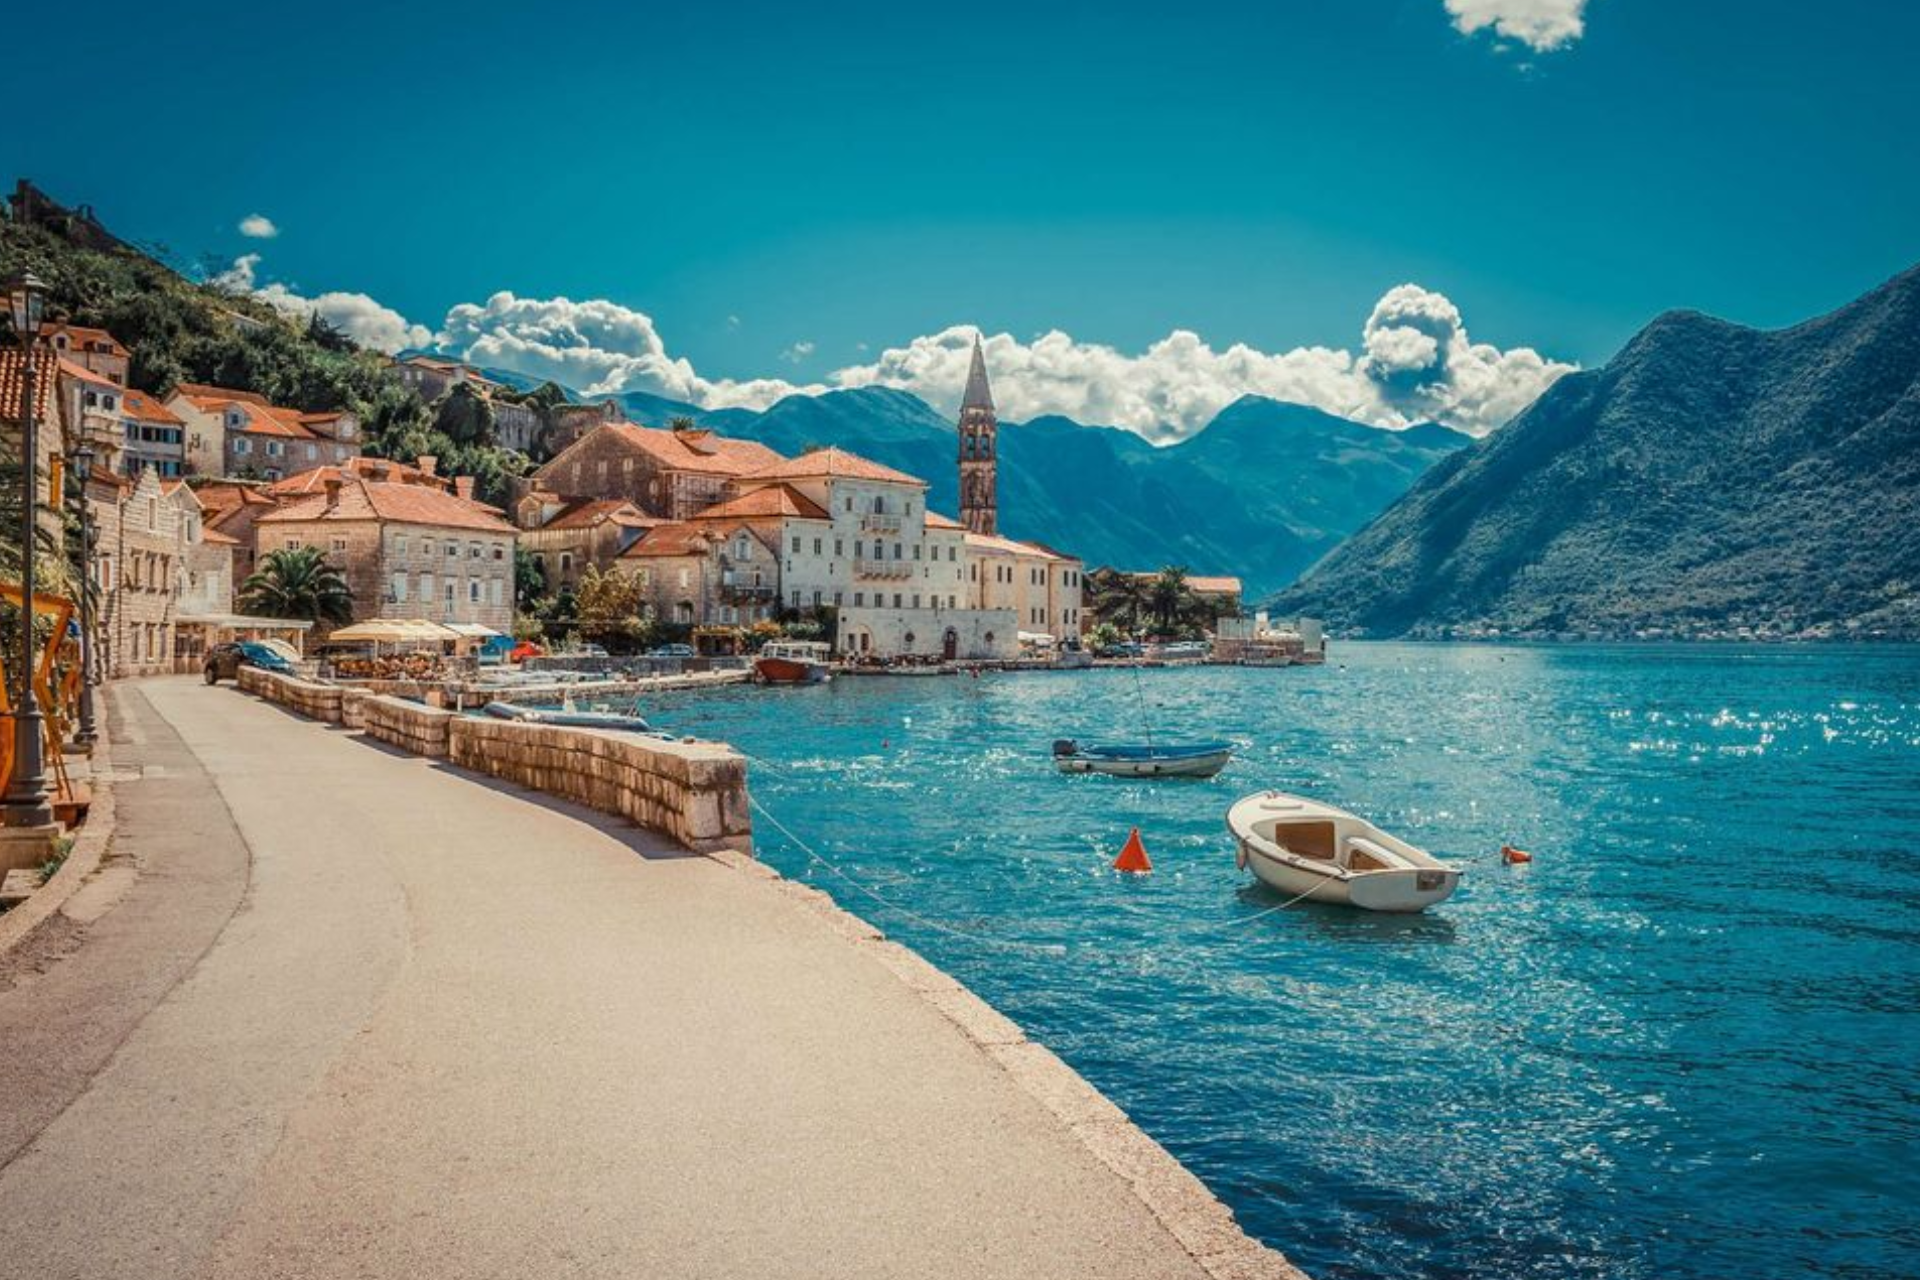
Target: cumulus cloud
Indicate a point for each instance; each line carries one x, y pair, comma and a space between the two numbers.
1416, 362
1541, 25
258, 226
354, 314
797, 352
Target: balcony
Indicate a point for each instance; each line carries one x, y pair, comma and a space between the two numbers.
865, 568
873, 522
733, 594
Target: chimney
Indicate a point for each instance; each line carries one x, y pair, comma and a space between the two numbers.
427, 462
333, 484
463, 487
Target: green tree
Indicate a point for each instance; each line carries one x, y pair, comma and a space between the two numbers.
1169, 599
463, 416
297, 582
529, 580
610, 609
682, 423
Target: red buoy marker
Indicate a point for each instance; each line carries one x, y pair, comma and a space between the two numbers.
1512, 856
1133, 856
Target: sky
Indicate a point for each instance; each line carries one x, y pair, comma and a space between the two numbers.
1393, 209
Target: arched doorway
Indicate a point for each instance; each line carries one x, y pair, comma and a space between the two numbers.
950, 645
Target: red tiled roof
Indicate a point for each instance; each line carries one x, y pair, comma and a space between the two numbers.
12, 366
314, 480
683, 539
584, 513
74, 369
937, 521
213, 537
1214, 586
392, 503
760, 504
223, 496
993, 544
81, 334
142, 407
835, 464
201, 391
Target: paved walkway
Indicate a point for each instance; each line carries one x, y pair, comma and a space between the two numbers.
361, 1015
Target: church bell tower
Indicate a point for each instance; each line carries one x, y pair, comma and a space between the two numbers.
979, 451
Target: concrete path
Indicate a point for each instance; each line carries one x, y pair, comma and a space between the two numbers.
361, 1015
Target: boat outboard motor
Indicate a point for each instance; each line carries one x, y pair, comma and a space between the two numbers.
1065, 747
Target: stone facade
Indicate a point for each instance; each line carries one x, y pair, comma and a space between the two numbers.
237, 433
706, 573
142, 542
953, 634
566, 537
671, 475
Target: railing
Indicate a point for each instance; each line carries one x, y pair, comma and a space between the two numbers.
865, 568
731, 592
873, 522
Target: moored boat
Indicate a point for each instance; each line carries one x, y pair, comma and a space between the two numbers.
792, 662
1310, 850
572, 717
1157, 760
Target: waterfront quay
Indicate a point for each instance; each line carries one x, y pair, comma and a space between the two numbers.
335, 1008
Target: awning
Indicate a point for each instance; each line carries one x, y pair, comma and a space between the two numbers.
240, 621
473, 630
393, 631
1038, 638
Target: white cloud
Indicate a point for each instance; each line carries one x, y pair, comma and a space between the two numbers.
1416, 363
258, 226
354, 314
1541, 25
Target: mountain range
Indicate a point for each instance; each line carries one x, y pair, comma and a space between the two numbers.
1710, 479
1263, 491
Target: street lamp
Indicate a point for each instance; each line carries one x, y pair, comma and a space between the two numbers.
26, 797
83, 464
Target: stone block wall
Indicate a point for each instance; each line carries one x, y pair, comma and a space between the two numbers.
407, 725
695, 792
315, 701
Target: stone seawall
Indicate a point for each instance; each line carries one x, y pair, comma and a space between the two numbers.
695, 792
692, 792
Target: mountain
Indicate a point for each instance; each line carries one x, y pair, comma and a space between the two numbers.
1710, 478
1263, 491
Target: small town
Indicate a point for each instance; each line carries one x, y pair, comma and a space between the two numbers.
857, 643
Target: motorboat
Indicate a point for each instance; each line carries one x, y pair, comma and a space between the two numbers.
1154, 760
572, 717
1072, 656
792, 662
1310, 850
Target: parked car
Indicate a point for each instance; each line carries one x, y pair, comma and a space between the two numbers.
524, 650
224, 661
672, 651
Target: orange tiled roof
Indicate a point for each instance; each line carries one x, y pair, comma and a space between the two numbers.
142, 407
391, 503
993, 544
836, 464
706, 452
201, 391
1215, 586
221, 496
12, 366
773, 501
584, 513
213, 537
74, 369
937, 521
314, 480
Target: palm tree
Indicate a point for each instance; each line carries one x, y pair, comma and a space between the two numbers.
297, 582
1116, 597
1169, 597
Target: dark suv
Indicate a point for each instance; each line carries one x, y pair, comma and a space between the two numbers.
225, 660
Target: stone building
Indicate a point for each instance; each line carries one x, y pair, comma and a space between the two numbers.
705, 572
572, 421
408, 549
231, 507
515, 426
143, 536
1041, 587
93, 349
671, 475
238, 433
979, 432
565, 536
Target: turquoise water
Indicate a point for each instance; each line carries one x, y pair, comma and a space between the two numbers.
1681, 1044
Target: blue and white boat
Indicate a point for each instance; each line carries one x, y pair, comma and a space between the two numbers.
1154, 760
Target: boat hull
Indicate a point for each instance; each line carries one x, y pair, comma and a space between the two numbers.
788, 671
1196, 766
1390, 891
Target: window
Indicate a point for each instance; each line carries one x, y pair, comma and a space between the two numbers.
339, 544
859, 599
916, 599
897, 553
839, 547
796, 544
453, 549
243, 447
426, 587
816, 546
275, 448
740, 548
400, 544
496, 591
879, 504
499, 551
686, 579
313, 451
426, 546
566, 562
916, 551
473, 591
816, 599
397, 592
849, 505
836, 599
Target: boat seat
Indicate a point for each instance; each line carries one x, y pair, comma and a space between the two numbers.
1378, 857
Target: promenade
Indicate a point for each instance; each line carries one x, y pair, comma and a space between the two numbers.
337, 1011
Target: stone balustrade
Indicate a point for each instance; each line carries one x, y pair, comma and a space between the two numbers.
692, 792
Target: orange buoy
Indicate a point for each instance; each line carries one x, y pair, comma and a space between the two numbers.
1133, 856
1511, 855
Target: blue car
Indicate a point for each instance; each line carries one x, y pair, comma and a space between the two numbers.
225, 660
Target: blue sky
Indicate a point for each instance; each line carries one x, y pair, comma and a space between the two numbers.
786, 190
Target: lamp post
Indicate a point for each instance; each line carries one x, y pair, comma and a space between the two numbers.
83, 463
26, 797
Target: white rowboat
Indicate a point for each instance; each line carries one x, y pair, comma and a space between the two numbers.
1310, 850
